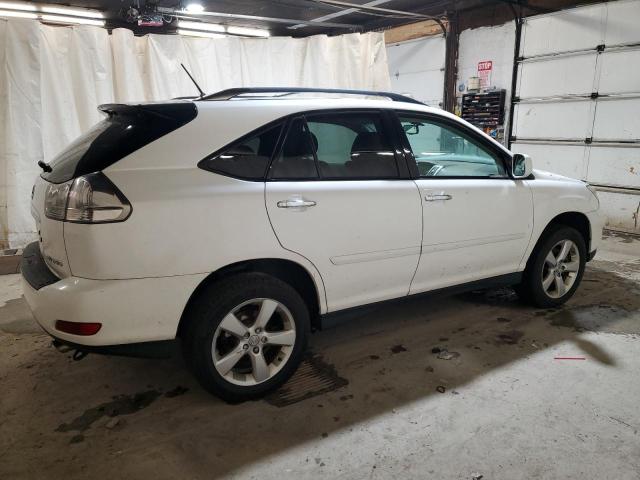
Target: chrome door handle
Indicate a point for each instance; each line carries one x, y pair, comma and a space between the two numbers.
432, 198
296, 203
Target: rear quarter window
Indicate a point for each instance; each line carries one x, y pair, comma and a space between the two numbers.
248, 158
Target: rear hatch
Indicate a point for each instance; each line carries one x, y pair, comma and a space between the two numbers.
125, 129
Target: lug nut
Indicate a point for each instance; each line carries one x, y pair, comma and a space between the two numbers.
245, 347
256, 349
264, 339
246, 335
258, 330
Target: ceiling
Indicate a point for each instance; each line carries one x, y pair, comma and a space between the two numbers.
305, 10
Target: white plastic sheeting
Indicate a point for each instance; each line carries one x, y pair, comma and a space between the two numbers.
52, 79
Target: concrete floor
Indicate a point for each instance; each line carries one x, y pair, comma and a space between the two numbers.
497, 404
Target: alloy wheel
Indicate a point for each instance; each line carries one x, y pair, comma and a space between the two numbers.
560, 269
253, 341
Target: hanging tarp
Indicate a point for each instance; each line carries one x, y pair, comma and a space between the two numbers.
53, 78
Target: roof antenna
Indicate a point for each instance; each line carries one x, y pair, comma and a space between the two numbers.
202, 94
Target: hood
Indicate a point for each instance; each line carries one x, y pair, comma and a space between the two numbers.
544, 175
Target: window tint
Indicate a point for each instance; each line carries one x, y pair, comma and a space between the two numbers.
352, 145
124, 131
296, 160
441, 151
247, 159
336, 146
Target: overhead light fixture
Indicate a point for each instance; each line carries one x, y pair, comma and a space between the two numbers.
248, 32
194, 33
18, 6
18, 14
76, 12
194, 8
207, 27
71, 20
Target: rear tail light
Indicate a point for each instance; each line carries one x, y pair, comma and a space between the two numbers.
88, 199
78, 328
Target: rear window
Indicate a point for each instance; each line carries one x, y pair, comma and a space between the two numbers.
125, 130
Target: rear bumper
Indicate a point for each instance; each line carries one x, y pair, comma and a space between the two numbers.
159, 349
130, 311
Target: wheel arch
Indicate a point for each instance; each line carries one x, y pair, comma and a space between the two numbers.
576, 220
294, 274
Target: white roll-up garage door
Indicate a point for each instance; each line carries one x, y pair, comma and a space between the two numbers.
577, 103
416, 67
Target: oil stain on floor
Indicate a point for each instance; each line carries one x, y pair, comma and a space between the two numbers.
120, 405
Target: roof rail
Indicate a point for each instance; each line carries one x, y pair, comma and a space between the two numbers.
234, 92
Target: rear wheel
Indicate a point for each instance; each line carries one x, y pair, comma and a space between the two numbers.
246, 336
555, 268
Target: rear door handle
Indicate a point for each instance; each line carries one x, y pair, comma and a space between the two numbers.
429, 197
296, 203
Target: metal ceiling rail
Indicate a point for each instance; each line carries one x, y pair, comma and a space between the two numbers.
371, 6
290, 21
235, 92
340, 13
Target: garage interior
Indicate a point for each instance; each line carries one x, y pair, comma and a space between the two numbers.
469, 386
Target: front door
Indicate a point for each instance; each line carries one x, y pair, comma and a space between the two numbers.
337, 195
477, 221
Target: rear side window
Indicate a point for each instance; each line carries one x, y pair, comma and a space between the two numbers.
352, 146
126, 129
248, 158
336, 146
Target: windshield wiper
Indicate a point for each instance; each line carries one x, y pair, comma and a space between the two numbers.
44, 166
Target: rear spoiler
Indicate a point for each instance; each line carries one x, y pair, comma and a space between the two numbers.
180, 112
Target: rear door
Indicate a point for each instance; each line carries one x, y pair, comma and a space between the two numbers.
340, 194
477, 219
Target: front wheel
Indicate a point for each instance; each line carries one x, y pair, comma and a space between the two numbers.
555, 268
246, 336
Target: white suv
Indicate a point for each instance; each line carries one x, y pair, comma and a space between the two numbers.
236, 222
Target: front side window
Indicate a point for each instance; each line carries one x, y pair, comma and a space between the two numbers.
336, 146
247, 159
442, 151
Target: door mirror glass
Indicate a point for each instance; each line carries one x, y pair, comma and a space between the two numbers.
521, 165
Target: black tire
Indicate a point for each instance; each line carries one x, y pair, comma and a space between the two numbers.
209, 310
531, 289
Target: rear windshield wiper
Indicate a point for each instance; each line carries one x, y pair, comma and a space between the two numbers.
44, 166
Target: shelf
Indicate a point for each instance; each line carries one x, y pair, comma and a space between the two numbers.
484, 109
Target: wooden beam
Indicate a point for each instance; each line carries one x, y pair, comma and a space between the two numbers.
451, 64
425, 28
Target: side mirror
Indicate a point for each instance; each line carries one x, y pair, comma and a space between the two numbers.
521, 165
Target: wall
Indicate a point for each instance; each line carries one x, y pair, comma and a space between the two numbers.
488, 43
416, 68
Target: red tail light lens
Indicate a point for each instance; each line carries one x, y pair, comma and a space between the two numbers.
78, 328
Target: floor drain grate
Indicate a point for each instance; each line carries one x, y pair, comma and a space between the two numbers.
314, 377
